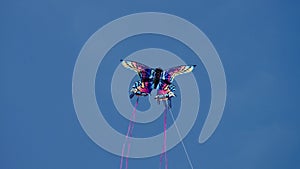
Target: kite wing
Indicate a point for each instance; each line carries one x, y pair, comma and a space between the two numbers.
135, 66
174, 71
142, 70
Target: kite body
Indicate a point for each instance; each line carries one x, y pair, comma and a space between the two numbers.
155, 78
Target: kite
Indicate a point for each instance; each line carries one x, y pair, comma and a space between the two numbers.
150, 79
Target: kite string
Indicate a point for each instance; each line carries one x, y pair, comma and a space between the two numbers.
164, 147
129, 133
181, 140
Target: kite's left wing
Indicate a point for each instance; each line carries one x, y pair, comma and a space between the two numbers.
135, 66
142, 70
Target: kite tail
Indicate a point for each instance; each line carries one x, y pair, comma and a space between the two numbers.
129, 133
165, 138
164, 149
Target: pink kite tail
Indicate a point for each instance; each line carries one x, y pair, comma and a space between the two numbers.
129, 133
165, 139
124, 144
164, 148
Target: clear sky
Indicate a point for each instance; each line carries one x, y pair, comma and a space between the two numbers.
258, 43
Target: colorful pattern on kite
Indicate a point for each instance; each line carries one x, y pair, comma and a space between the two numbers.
170, 74
155, 78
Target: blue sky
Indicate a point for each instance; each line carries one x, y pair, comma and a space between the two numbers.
258, 43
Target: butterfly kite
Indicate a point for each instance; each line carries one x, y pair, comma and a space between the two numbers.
153, 78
